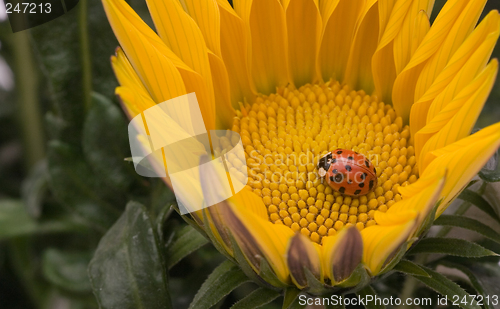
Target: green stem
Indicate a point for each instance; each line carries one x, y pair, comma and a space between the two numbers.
28, 107
410, 284
85, 54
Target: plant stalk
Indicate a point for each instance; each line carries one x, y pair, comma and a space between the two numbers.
85, 54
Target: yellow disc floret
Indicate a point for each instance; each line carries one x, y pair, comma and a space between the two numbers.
284, 135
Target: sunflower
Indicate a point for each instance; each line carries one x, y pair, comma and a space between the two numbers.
297, 79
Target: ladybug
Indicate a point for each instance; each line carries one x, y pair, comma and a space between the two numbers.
348, 172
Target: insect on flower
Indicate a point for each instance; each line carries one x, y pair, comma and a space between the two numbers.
348, 172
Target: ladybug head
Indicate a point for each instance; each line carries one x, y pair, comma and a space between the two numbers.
324, 164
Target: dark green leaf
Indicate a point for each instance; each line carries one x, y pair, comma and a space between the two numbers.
105, 143
66, 270
480, 202
186, 241
446, 287
58, 51
410, 268
256, 299
225, 278
34, 188
468, 223
478, 286
127, 270
291, 299
450, 246
15, 221
369, 292
76, 187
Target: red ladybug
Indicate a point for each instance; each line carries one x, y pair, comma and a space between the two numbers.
348, 172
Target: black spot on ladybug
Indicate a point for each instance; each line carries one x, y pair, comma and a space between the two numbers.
335, 171
342, 190
334, 160
331, 178
361, 185
338, 178
348, 168
350, 158
349, 181
367, 163
374, 170
339, 152
363, 176
357, 192
371, 184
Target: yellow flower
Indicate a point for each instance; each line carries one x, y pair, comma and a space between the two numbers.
299, 78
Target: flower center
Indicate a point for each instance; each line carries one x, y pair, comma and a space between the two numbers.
286, 133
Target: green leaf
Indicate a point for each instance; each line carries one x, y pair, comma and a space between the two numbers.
480, 202
127, 270
224, 279
450, 246
475, 281
445, 287
34, 188
410, 268
76, 187
105, 143
186, 241
470, 224
58, 51
256, 299
369, 291
291, 299
15, 221
66, 270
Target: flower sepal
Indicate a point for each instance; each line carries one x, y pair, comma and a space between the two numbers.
266, 278
397, 256
357, 280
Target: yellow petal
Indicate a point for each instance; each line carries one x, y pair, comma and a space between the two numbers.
133, 102
157, 72
418, 205
380, 242
422, 27
474, 93
206, 15
385, 9
342, 253
339, 25
260, 238
462, 117
474, 65
459, 32
303, 22
302, 253
384, 70
223, 107
152, 60
234, 48
403, 48
405, 83
358, 72
463, 160
125, 73
266, 26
